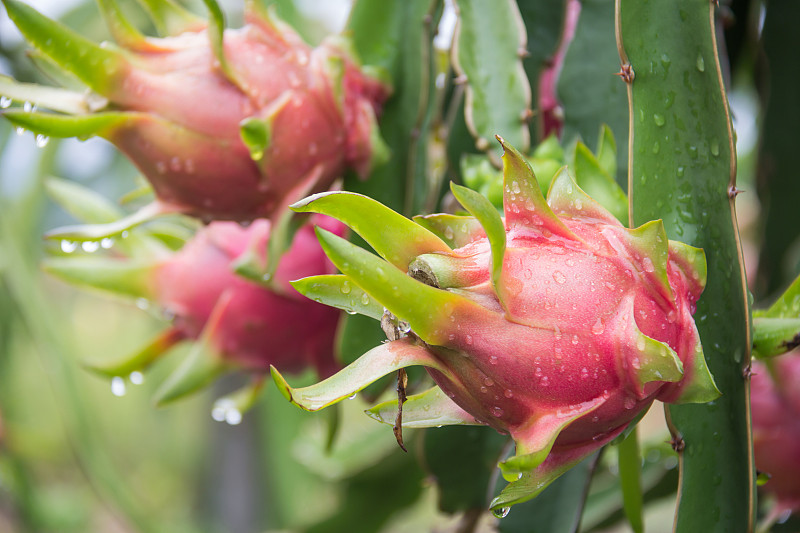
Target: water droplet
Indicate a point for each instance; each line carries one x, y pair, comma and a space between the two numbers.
656, 147
27, 107
640, 344
488, 382
233, 417
680, 172
345, 287
575, 340
136, 377
503, 511
448, 232
598, 327
19, 130
353, 397
629, 403
659, 119
469, 340
515, 187
508, 393
647, 263
545, 381
161, 167
68, 246
117, 386
493, 360
559, 276
218, 413
701, 63
496, 411
671, 316
42, 140
5, 102
484, 390
143, 304
90, 246
584, 373
365, 299
715, 147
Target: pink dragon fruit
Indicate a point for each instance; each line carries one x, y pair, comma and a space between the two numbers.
229, 125
555, 324
775, 405
236, 323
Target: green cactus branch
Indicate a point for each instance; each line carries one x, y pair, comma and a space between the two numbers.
686, 161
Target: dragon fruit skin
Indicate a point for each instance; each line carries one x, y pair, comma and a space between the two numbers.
775, 409
235, 135
556, 324
253, 326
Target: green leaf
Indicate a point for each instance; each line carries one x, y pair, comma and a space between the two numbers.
131, 279
121, 28
775, 336
396, 238
60, 100
98, 67
432, 408
787, 305
376, 363
422, 306
81, 126
170, 18
682, 166
488, 42
140, 360
598, 184
456, 231
97, 232
338, 291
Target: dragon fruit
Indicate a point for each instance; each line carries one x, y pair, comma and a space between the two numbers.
775, 407
235, 322
555, 324
225, 124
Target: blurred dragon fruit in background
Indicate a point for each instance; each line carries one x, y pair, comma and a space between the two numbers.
225, 124
555, 324
775, 404
233, 322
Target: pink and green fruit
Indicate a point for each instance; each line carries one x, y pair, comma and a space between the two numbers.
555, 323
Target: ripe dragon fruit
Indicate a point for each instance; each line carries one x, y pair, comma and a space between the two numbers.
775, 408
236, 323
225, 124
555, 324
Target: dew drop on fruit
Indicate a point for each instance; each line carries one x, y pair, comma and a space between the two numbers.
68, 246
117, 386
493, 360
508, 393
598, 327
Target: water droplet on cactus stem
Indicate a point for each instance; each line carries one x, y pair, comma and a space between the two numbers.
68, 246
136, 377
117, 386
5, 102
90, 246
42, 140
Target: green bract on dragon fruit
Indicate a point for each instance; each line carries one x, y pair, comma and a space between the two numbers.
225, 124
554, 324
